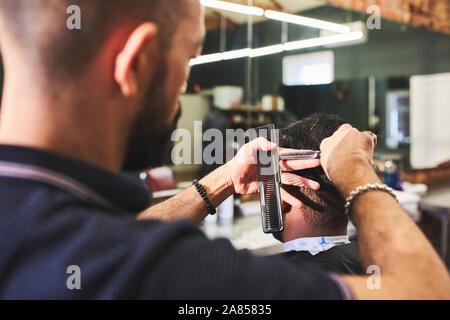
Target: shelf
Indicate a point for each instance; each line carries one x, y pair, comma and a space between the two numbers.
251, 110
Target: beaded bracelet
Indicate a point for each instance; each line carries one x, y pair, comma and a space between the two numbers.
202, 191
362, 189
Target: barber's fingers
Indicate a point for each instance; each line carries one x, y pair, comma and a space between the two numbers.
298, 181
294, 165
261, 144
247, 154
282, 151
343, 130
290, 199
345, 127
373, 136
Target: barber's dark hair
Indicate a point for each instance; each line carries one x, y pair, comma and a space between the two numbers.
40, 26
325, 206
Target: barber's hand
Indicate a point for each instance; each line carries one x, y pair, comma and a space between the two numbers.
242, 170
347, 151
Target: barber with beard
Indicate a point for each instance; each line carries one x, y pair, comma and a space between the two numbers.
80, 106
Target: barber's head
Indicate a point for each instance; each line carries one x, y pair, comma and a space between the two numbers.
130, 55
323, 209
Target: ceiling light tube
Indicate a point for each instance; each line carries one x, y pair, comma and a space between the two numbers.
266, 51
323, 41
208, 58
288, 46
233, 7
304, 21
236, 54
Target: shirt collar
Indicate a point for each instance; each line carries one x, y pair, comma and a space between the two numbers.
315, 244
98, 184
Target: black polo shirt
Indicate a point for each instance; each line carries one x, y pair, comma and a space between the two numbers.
343, 259
57, 214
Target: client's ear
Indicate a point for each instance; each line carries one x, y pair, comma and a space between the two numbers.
285, 207
133, 64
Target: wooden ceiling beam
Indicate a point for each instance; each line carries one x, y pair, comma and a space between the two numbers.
277, 5
434, 15
214, 22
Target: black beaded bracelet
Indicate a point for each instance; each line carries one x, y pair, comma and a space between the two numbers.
202, 191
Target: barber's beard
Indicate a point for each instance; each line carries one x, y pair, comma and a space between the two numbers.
150, 135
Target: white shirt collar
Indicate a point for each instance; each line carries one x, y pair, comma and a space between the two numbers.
315, 244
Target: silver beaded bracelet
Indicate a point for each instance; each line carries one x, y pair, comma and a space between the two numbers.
368, 187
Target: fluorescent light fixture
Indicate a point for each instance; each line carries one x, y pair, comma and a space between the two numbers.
233, 7
275, 15
323, 41
208, 58
228, 55
309, 22
236, 54
288, 46
266, 51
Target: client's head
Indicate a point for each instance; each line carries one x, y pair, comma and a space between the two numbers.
323, 211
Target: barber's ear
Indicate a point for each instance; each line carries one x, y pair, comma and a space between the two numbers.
132, 64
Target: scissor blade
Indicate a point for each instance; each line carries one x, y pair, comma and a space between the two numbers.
301, 155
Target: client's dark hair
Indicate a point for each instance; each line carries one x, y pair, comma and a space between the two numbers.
325, 206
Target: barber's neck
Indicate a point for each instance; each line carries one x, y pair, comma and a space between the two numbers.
61, 123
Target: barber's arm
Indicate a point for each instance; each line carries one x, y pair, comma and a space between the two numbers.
388, 238
237, 176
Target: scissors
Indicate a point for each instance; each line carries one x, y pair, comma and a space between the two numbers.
301, 155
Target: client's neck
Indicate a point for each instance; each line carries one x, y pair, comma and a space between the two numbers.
305, 231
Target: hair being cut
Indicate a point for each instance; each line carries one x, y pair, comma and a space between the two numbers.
326, 205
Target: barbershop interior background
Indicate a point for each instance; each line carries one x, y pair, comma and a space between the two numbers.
391, 77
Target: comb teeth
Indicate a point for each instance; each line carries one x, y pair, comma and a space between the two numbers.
272, 220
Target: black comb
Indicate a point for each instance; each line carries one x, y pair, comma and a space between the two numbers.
268, 176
